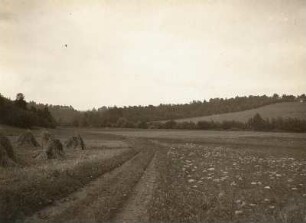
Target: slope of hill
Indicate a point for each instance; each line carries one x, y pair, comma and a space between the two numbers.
284, 110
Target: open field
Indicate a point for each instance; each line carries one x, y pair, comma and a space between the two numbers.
292, 140
159, 176
209, 183
284, 110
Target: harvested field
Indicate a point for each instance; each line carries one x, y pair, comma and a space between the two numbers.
209, 183
203, 176
31, 189
101, 199
136, 209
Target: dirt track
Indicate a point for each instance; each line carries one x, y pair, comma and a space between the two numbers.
102, 199
135, 209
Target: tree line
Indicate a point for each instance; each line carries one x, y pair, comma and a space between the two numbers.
256, 123
18, 113
140, 116
23, 114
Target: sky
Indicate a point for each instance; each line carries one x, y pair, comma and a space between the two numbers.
139, 52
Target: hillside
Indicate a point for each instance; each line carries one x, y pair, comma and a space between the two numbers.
141, 116
284, 110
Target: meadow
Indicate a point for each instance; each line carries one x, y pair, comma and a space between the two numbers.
283, 110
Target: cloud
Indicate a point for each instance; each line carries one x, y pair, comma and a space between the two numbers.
136, 52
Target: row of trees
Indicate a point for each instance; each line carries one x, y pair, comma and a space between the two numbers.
18, 113
63, 115
137, 115
256, 123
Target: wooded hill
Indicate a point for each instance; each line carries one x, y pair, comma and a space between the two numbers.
18, 113
138, 116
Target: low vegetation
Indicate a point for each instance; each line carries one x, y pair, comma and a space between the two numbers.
219, 183
26, 190
256, 123
202, 176
111, 193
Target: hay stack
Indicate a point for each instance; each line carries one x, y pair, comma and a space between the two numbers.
45, 136
7, 155
27, 139
75, 142
52, 150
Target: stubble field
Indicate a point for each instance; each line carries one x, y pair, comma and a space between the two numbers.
159, 176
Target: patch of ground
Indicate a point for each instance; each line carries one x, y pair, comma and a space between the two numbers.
136, 207
26, 190
107, 144
281, 139
213, 183
199, 176
101, 199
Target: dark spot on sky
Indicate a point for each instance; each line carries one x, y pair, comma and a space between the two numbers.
66, 45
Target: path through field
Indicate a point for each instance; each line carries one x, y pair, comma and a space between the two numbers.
135, 209
101, 199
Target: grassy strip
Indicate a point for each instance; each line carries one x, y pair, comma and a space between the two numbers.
102, 204
17, 200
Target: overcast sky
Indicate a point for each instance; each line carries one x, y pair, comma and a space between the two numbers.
140, 52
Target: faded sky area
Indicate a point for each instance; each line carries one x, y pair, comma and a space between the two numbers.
150, 52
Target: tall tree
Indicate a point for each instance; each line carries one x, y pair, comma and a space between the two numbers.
20, 101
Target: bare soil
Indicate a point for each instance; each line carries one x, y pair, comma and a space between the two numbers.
136, 207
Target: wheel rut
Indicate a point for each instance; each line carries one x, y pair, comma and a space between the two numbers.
136, 207
101, 199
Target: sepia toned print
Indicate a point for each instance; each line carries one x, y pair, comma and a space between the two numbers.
152, 111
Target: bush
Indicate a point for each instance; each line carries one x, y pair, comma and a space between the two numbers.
205, 125
169, 125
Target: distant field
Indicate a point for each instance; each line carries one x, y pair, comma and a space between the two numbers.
284, 110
